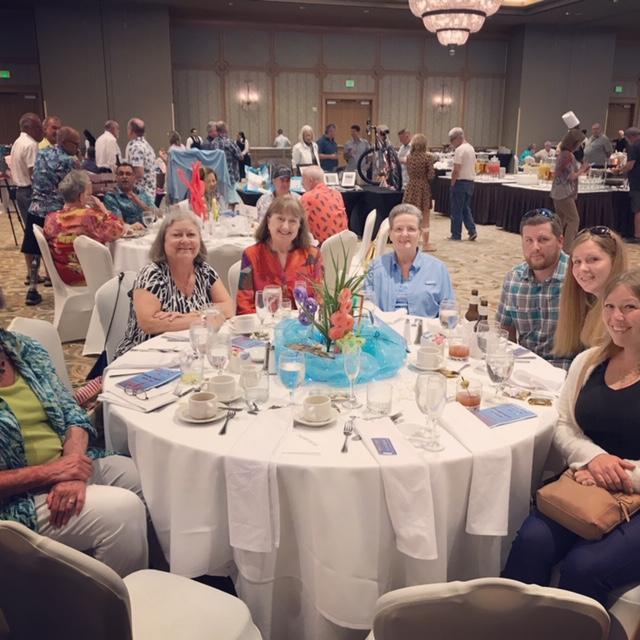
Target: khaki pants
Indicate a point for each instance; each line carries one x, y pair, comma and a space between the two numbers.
567, 211
113, 523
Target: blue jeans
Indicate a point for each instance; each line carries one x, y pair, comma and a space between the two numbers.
461, 195
593, 569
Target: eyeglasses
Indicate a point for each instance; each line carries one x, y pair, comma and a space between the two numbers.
545, 213
600, 230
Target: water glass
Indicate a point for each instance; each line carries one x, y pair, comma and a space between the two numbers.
272, 296
291, 371
254, 380
148, 217
191, 366
469, 393
286, 308
199, 335
449, 315
299, 292
379, 395
351, 355
431, 397
500, 361
219, 352
261, 309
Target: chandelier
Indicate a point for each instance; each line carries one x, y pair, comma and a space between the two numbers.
453, 20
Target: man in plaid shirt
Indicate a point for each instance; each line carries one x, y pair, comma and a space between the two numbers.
530, 299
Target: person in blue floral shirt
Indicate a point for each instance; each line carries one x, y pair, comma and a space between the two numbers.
141, 156
51, 480
232, 154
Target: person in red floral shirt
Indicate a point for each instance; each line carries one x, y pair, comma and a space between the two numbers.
324, 206
82, 215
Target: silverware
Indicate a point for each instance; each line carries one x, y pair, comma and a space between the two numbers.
159, 350
394, 417
418, 333
347, 430
230, 414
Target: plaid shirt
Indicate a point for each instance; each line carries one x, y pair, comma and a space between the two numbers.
533, 307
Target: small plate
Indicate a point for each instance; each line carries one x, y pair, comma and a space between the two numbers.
299, 417
135, 234
236, 396
413, 361
182, 413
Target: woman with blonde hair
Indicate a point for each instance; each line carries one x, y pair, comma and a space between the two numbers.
598, 255
421, 171
305, 151
597, 433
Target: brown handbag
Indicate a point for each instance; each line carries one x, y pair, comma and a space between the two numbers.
590, 512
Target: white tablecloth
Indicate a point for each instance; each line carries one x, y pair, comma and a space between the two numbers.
337, 550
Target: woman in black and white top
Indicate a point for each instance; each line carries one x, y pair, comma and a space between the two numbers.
170, 292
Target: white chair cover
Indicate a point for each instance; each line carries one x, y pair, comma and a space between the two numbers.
234, 281
336, 249
382, 237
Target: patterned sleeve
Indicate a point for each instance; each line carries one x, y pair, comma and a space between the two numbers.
135, 155
146, 198
210, 275
245, 298
103, 227
111, 204
504, 313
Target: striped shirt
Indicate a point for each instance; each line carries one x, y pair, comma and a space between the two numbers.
533, 307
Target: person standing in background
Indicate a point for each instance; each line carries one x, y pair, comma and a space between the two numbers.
403, 153
194, 140
107, 148
281, 141
141, 156
462, 185
50, 125
328, 149
243, 145
632, 170
598, 148
354, 148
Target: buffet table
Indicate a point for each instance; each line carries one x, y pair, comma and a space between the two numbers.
333, 543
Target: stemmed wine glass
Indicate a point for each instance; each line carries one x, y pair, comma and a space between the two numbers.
199, 336
291, 371
500, 361
431, 397
449, 315
299, 292
219, 352
272, 296
489, 332
261, 308
351, 361
148, 217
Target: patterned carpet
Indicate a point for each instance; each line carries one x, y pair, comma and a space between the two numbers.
480, 264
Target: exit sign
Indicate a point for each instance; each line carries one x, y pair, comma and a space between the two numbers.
5, 73
619, 88
350, 84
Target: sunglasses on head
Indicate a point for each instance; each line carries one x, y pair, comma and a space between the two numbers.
545, 213
600, 230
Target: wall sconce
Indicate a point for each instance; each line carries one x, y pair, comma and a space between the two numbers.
442, 101
248, 96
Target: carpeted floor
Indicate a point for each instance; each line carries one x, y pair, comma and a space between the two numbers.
480, 264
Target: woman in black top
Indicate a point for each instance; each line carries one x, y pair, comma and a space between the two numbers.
243, 145
597, 432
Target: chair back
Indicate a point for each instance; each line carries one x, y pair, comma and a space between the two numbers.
234, 282
335, 250
113, 305
49, 590
486, 609
222, 257
57, 283
382, 237
95, 260
47, 335
367, 235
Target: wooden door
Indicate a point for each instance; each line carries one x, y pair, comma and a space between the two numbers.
346, 112
620, 116
12, 106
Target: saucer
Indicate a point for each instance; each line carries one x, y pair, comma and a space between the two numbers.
236, 396
299, 417
182, 413
236, 331
413, 361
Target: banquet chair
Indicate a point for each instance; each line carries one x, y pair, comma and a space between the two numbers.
71, 305
112, 305
339, 249
624, 609
359, 260
222, 257
49, 590
45, 333
234, 281
97, 265
486, 609
382, 238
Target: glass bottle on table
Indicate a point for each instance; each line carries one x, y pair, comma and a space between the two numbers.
483, 312
472, 312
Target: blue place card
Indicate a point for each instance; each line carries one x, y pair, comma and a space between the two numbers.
503, 414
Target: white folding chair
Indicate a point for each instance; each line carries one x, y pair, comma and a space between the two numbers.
113, 305
234, 282
382, 237
45, 333
486, 609
97, 265
359, 259
49, 590
72, 306
338, 250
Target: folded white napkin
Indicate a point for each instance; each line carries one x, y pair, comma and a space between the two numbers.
390, 317
407, 489
552, 381
144, 359
252, 490
488, 508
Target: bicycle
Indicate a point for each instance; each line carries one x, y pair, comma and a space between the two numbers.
380, 165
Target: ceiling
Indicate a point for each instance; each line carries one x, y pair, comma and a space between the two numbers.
611, 14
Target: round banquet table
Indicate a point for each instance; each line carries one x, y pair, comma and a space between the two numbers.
336, 551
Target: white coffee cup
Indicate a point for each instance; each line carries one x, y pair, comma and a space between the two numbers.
244, 324
223, 386
202, 405
316, 408
429, 357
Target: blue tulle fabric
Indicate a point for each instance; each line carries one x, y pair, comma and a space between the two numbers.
383, 352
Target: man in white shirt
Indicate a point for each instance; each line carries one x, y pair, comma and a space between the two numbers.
23, 157
545, 154
598, 148
194, 140
281, 141
462, 184
403, 153
107, 148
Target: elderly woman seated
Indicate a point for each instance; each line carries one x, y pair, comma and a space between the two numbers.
171, 292
50, 479
82, 215
281, 256
407, 278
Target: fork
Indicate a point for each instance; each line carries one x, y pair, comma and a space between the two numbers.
230, 414
347, 430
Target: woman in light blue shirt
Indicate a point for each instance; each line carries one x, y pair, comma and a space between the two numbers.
408, 278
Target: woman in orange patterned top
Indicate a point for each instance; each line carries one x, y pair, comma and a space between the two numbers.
281, 256
82, 215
